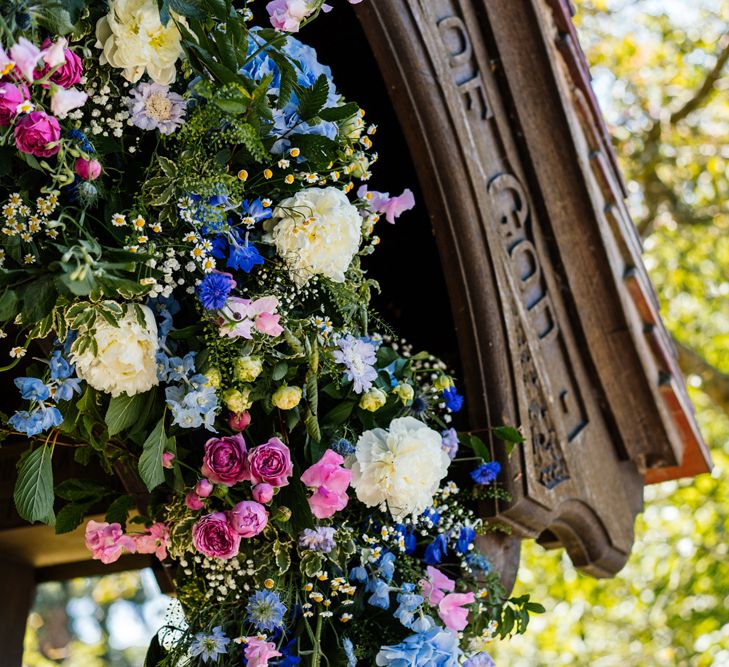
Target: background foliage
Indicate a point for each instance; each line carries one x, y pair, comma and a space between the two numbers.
662, 75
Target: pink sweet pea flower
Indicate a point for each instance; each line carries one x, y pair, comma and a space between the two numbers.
54, 53
330, 480
268, 323
241, 315
435, 585
392, 207
258, 652
167, 459
451, 611
106, 542
63, 101
26, 56
287, 15
6, 63
154, 541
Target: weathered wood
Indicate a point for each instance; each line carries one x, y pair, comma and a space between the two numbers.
17, 586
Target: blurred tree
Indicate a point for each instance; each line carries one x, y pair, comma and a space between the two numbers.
662, 72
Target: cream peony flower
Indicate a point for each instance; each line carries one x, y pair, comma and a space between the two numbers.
316, 232
401, 467
133, 39
126, 357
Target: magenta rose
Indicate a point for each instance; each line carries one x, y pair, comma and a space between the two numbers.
10, 97
270, 463
214, 537
33, 133
69, 73
248, 518
225, 460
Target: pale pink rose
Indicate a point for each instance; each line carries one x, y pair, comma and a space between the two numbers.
155, 541
451, 611
204, 488
248, 518
435, 585
89, 170
26, 56
193, 501
107, 541
258, 652
270, 463
263, 493
213, 536
330, 480
63, 100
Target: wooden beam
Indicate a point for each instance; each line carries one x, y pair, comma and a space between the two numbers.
17, 585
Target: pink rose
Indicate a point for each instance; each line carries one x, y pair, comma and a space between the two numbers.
330, 480
204, 488
193, 501
89, 170
35, 131
239, 421
258, 652
248, 518
270, 463
154, 541
263, 493
214, 537
10, 97
225, 460
70, 70
107, 541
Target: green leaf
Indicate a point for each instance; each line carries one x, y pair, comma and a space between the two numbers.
340, 413
70, 517
81, 490
476, 444
343, 112
279, 371
150, 463
510, 436
34, 487
38, 299
312, 100
124, 412
119, 510
8, 305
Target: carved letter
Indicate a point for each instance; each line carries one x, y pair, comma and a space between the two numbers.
459, 49
476, 100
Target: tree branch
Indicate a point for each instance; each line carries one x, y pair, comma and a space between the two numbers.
714, 382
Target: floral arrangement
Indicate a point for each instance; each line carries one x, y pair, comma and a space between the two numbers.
185, 221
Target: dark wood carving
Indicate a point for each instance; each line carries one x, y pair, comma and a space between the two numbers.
494, 99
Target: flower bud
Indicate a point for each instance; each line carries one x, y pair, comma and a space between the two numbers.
263, 493
404, 392
193, 502
282, 514
89, 170
239, 421
204, 488
373, 400
286, 398
167, 459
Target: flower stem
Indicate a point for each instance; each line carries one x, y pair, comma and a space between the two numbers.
316, 656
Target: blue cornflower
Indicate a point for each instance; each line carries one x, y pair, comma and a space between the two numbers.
486, 472
436, 647
453, 400
343, 447
32, 389
254, 212
380, 593
358, 356
60, 368
209, 647
435, 551
214, 290
266, 611
465, 538
477, 561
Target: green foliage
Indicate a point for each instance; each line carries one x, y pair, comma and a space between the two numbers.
150, 463
34, 487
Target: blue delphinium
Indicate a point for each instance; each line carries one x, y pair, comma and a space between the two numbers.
358, 574
486, 472
33, 389
265, 610
193, 402
288, 655
209, 647
453, 400
465, 538
409, 539
409, 603
254, 212
436, 550
214, 290
380, 593
240, 255
348, 647
358, 356
435, 647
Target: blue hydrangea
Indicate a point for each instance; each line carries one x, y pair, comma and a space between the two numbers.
435, 647
453, 400
358, 356
214, 290
486, 472
480, 660
210, 647
266, 611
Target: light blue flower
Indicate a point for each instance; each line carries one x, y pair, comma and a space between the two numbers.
209, 647
26, 422
66, 390
480, 660
380, 593
32, 389
348, 647
409, 603
266, 611
358, 356
434, 648
60, 368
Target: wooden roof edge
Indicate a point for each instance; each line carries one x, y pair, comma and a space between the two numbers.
696, 458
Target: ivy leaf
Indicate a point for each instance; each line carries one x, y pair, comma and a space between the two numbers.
150, 463
124, 411
34, 487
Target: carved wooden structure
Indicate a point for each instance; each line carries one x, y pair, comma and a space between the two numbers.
556, 320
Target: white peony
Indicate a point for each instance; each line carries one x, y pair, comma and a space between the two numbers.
126, 357
316, 232
133, 39
402, 467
